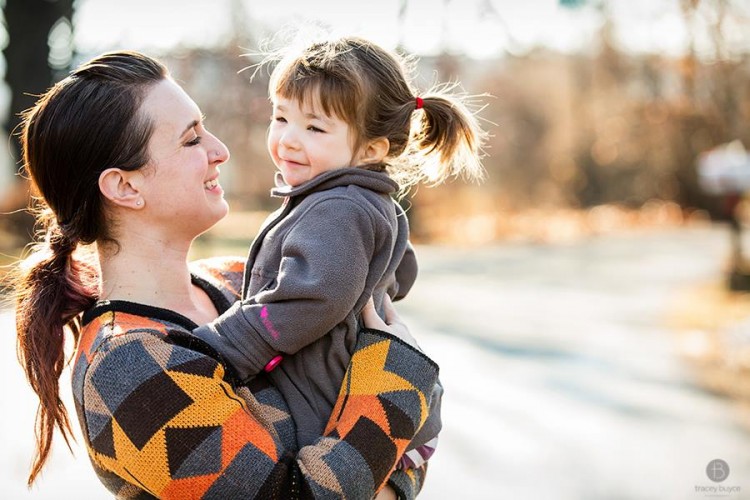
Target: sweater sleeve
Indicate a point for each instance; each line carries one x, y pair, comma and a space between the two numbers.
160, 419
407, 483
325, 260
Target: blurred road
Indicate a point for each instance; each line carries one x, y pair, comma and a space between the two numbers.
561, 379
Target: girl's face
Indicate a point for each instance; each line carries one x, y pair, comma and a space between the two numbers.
304, 142
181, 190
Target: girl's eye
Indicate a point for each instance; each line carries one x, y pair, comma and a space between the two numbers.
194, 142
279, 119
315, 129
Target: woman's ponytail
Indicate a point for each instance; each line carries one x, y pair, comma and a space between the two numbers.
84, 124
52, 288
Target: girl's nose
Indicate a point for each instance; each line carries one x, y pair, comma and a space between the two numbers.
289, 140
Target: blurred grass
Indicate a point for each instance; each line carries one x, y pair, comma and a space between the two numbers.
470, 219
231, 236
713, 335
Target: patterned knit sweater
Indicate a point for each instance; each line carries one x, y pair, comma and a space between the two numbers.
163, 416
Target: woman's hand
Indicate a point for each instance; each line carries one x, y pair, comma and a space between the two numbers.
386, 493
393, 323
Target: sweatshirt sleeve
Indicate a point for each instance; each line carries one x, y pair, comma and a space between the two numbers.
325, 260
406, 272
162, 420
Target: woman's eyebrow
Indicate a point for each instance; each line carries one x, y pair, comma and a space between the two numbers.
192, 125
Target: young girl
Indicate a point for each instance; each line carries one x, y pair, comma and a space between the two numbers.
348, 131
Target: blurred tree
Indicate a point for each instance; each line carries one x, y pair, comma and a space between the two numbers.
38, 52
724, 97
572, 3
39, 36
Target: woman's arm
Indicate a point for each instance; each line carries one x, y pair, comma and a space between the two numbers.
163, 419
403, 484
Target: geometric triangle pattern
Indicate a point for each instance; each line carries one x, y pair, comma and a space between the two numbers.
164, 420
150, 407
196, 441
249, 464
401, 424
200, 366
115, 389
97, 422
104, 442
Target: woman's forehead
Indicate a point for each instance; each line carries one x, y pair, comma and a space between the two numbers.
169, 107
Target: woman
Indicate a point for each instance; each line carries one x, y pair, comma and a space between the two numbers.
121, 158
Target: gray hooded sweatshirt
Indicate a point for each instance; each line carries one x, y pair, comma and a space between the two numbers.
336, 240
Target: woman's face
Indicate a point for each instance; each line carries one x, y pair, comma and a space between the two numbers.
181, 192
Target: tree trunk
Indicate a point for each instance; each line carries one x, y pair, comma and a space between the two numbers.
28, 74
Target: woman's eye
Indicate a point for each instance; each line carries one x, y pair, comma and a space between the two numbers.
194, 142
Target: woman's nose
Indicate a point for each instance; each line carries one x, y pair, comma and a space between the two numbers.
219, 152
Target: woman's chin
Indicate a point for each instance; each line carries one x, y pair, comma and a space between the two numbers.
220, 212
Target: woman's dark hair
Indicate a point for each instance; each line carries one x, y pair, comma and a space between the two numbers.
86, 123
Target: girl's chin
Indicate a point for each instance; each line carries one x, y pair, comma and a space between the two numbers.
291, 180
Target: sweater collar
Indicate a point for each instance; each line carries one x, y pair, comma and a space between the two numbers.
376, 181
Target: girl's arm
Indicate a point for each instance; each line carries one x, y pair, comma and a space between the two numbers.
163, 419
406, 272
322, 277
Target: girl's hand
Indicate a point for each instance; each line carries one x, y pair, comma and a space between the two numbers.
393, 323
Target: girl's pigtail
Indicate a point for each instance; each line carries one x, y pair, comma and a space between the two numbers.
446, 138
53, 288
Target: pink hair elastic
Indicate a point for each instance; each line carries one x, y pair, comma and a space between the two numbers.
273, 363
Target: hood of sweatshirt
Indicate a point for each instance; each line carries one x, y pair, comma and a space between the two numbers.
375, 181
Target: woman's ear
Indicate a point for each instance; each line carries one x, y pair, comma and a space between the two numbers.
374, 152
122, 187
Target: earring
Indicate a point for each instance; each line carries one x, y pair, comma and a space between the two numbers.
139, 203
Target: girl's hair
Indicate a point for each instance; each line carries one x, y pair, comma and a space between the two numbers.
369, 88
86, 123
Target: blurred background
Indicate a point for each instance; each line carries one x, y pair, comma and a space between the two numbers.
587, 303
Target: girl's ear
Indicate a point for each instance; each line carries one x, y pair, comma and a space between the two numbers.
373, 152
122, 187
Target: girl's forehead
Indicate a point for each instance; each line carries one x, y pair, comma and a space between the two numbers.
305, 94
310, 99
311, 105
